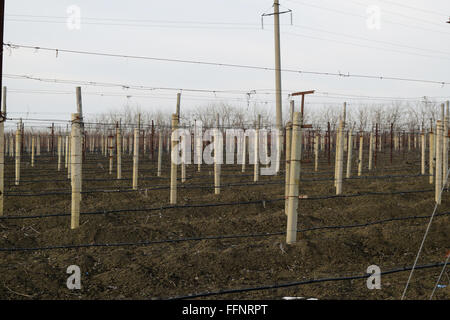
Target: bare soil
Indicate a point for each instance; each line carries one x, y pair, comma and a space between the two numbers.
164, 270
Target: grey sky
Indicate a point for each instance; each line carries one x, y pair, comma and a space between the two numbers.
339, 47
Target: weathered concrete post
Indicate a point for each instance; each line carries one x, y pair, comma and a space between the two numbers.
288, 163
173, 168
349, 154
360, 158
438, 185
136, 159
294, 179
76, 173
18, 152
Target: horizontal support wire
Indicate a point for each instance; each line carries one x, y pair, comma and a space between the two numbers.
215, 237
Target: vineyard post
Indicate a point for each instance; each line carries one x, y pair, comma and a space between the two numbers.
111, 152
11, 146
130, 144
183, 163
244, 151
422, 136
329, 144
33, 146
105, 144
349, 153
294, 179
445, 148
59, 152
360, 158
152, 141
159, 152
69, 167
18, 151
217, 146
316, 152
67, 150
38, 146
288, 163
438, 185
53, 140
136, 158
376, 144
409, 140
119, 151
431, 156
2, 151
447, 138
144, 142
173, 167
392, 138
340, 158
336, 157
370, 150
76, 161
198, 145
256, 166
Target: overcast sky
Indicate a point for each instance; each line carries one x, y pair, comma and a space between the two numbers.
326, 36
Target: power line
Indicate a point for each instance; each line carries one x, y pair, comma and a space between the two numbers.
198, 62
400, 14
421, 10
231, 23
371, 40
364, 17
365, 46
319, 94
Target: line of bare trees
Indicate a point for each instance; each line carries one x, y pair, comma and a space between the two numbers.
403, 115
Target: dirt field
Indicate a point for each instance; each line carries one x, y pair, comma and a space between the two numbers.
163, 270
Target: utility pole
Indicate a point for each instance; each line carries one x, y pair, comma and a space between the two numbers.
2, 28
276, 17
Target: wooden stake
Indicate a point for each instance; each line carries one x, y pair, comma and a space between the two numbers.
76, 164
294, 179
